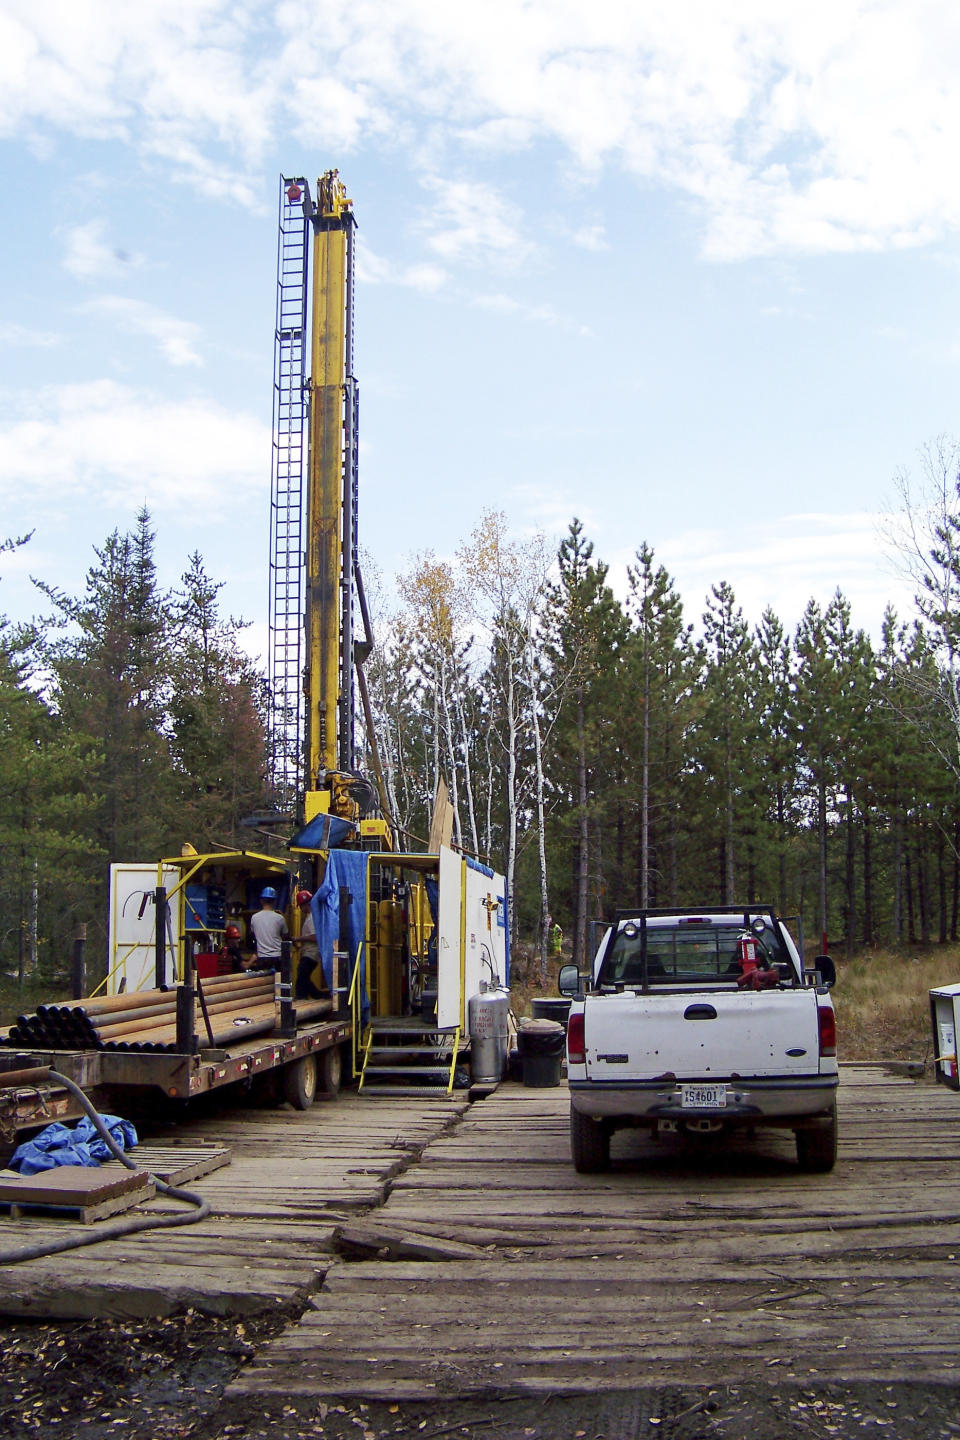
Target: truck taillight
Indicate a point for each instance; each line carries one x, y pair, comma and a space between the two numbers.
576, 1044
827, 1022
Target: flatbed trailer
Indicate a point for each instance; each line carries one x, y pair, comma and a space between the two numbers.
307, 1063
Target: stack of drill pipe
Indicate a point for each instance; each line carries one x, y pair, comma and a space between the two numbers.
144, 1019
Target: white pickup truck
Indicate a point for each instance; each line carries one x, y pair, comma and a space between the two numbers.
701, 1022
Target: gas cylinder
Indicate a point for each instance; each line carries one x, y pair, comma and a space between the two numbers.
489, 1033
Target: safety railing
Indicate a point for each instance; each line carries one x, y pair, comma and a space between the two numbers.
354, 1003
453, 1060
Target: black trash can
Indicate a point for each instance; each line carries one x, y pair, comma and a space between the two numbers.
541, 1044
552, 1008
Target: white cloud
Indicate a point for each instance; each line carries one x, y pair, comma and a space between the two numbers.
795, 127
373, 269
470, 221
175, 338
784, 563
89, 257
591, 237
100, 442
543, 314
14, 334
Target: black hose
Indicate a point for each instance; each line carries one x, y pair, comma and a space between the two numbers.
123, 1227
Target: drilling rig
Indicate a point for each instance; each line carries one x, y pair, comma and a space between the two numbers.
316, 655
406, 941
419, 932
412, 946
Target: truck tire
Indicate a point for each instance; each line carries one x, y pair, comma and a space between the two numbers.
817, 1149
330, 1068
589, 1143
300, 1082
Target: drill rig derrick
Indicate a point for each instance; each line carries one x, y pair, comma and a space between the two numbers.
327, 778
415, 930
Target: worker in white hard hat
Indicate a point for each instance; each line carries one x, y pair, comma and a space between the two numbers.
268, 929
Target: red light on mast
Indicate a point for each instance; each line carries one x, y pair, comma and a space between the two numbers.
294, 193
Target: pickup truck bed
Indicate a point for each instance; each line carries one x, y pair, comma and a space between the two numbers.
700, 1022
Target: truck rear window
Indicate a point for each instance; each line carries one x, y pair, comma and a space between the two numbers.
687, 955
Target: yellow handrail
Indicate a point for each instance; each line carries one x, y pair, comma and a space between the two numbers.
453, 1062
366, 1057
352, 1003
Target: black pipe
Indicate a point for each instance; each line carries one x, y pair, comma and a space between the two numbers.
79, 975
288, 1015
186, 1005
203, 1005
160, 939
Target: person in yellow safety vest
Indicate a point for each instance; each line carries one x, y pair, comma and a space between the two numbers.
556, 940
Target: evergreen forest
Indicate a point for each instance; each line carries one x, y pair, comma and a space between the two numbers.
601, 750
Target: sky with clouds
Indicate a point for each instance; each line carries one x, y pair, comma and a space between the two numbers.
689, 272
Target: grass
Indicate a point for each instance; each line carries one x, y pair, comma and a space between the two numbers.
16, 999
881, 998
883, 1003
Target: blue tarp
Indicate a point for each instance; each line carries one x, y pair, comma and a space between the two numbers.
323, 832
345, 869
59, 1145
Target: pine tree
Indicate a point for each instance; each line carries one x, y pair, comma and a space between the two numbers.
47, 793
728, 734
777, 754
111, 683
660, 664
215, 709
587, 632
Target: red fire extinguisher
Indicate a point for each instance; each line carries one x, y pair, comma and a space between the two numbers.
749, 955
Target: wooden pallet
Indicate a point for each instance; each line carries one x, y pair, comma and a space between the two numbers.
73, 1192
174, 1163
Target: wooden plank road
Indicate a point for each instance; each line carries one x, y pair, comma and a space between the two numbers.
268, 1242
679, 1267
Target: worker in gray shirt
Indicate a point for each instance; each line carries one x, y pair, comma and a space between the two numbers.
268, 928
305, 988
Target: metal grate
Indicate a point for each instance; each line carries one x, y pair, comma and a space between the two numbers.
286, 602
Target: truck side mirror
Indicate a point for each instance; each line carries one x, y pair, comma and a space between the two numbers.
568, 981
828, 971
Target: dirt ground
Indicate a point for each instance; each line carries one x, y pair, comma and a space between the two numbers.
150, 1380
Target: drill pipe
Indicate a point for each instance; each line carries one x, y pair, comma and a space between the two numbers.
261, 987
262, 1019
154, 1022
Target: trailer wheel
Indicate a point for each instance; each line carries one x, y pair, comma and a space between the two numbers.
300, 1082
330, 1066
589, 1143
817, 1149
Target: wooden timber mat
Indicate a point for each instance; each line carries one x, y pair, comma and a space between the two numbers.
677, 1266
293, 1176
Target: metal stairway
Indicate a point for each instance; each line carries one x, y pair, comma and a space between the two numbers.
408, 1056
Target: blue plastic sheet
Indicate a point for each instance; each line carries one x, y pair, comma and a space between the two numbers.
345, 869
322, 833
60, 1145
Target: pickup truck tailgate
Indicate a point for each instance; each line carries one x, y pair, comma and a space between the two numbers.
709, 1035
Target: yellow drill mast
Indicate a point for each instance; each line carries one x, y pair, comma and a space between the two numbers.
331, 509
323, 770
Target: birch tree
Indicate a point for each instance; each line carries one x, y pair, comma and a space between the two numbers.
506, 580
436, 605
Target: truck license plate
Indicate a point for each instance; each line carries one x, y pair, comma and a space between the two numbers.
703, 1097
